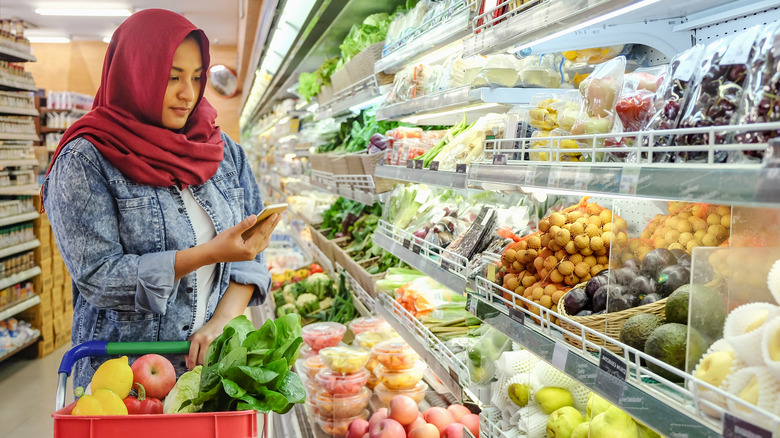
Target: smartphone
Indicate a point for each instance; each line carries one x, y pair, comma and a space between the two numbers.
262, 216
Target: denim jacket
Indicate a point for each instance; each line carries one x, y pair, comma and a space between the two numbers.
119, 241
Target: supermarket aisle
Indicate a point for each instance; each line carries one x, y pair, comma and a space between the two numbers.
27, 388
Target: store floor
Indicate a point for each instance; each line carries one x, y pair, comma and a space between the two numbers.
27, 388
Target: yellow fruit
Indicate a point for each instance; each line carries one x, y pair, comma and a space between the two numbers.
111, 403
750, 392
715, 367
87, 405
774, 346
758, 321
114, 374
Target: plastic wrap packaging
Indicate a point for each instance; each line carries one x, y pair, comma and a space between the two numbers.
424, 295
761, 103
595, 55
484, 354
636, 100
407, 23
471, 68
542, 72
430, 79
717, 92
498, 71
403, 86
453, 74
469, 145
688, 226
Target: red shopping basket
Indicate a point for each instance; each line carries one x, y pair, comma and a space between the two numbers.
236, 424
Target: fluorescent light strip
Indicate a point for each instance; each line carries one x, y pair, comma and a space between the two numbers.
417, 117
591, 22
86, 12
42, 39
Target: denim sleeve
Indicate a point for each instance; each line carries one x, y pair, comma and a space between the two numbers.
83, 216
254, 272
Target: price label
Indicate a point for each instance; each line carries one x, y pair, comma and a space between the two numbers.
629, 179
560, 356
472, 305
407, 243
530, 175
499, 160
460, 168
416, 248
554, 177
611, 376
612, 365
409, 164
582, 178
434, 166
734, 427
491, 272
418, 164
455, 376
517, 316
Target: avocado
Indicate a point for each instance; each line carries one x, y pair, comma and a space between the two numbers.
669, 343
638, 328
710, 315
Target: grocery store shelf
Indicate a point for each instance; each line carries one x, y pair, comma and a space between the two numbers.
24, 217
28, 189
356, 96
326, 263
20, 306
364, 303
342, 185
667, 407
447, 107
26, 246
452, 372
15, 55
9, 354
18, 163
15, 86
436, 178
14, 136
19, 111
424, 256
449, 26
744, 182
489, 429
46, 129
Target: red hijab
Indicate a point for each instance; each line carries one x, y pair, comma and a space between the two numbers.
125, 123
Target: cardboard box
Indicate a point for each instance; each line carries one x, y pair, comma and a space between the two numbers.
46, 266
47, 330
42, 282
45, 347
57, 305
59, 325
58, 278
43, 252
61, 340
358, 272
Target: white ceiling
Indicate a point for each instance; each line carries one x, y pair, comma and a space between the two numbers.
218, 18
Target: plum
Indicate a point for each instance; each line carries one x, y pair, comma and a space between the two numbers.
575, 301
650, 298
595, 284
656, 260
624, 276
670, 278
642, 286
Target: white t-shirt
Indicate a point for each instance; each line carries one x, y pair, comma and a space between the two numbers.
204, 276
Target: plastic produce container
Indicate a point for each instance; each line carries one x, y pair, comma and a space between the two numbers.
342, 405
400, 379
312, 389
340, 383
369, 339
312, 365
337, 427
345, 359
369, 324
306, 352
416, 393
395, 354
323, 334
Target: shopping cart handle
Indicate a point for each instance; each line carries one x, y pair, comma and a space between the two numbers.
103, 348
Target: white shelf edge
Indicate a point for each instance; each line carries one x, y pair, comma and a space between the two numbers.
26, 246
26, 56
26, 304
19, 111
19, 218
19, 163
29, 189
14, 136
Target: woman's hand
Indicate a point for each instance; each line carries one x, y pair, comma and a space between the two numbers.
229, 246
201, 339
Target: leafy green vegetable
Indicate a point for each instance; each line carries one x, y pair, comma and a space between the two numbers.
250, 369
185, 388
372, 30
308, 85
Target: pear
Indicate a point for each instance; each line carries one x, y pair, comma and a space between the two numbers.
758, 320
613, 423
715, 367
596, 405
750, 392
563, 421
551, 399
518, 393
774, 345
581, 431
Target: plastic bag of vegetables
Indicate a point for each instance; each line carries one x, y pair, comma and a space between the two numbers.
483, 355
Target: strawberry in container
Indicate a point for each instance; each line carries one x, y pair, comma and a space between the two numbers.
323, 334
342, 405
342, 383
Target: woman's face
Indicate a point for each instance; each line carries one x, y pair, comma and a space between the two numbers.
183, 85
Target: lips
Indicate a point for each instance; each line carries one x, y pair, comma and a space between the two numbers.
180, 110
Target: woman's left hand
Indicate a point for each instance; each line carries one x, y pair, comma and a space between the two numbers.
201, 339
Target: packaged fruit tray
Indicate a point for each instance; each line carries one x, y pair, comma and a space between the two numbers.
233, 424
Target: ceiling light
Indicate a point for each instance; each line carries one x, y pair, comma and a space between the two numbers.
44, 39
85, 12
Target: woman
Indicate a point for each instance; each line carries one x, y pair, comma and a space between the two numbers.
147, 200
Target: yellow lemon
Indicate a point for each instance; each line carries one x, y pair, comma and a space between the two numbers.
110, 402
114, 374
87, 405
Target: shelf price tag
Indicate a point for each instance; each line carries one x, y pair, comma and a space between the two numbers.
455, 376
611, 377
471, 305
460, 168
418, 164
434, 166
499, 159
560, 356
582, 178
554, 178
416, 247
629, 179
409, 164
734, 427
407, 243
517, 316
530, 175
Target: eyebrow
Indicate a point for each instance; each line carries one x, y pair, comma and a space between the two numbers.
181, 69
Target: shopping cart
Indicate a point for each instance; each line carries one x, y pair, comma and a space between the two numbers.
236, 424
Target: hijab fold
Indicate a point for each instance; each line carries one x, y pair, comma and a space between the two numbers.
125, 123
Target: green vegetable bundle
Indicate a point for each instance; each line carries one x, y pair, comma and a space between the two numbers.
250, 369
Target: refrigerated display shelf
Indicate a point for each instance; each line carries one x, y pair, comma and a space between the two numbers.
357, 96
450, 370
364, 303
328, 182
671, 409
449, 26
11, 353
14, 136
443, 179
424, 256
489, 429
19, 306
15, 86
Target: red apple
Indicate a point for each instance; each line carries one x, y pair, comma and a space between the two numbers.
425, 431
365, 436
379, 415
419, 421
439, 417
387, 429
357, 428
156, 373
454, 430
403, 410
471, 421
458, 411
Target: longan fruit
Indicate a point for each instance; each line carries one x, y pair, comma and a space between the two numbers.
642, 252
545, 302
534, 242
556, 276
576, 258
545, 239
582, 241
619, 223
528, 280
699, 235
527, 294
511, 255
696, 210
543, 274
567, 227
563, 237
607, 227
557, 219
571, 280
595, 220
583, 220
566, 267
698, 224
521, 245
557, 296
592, 230
577, 228
713, 219
586, 251
606, 216
606, 238
725, 220
591, 261
676, 245
537, 293
550, 263
572, 216
685, 238
561, 254
533, 253
622, 239
718, 230
554, 246
645, 234
538, 263
684, 226
544, 225
601, 252
553, 231
659, 242
723, 210
520, 290
710, 240
550, 289
511, 282
634, 245
517, 266
593, 208
596, 269
692, 244
671, 222
581, 269
671, 236
571, 248
596, 243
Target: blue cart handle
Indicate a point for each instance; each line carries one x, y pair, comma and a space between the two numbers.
103, 348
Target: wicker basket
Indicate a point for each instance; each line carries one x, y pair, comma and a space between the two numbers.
609, 324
